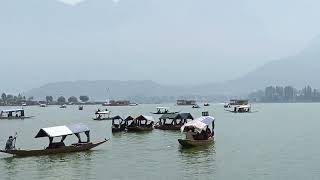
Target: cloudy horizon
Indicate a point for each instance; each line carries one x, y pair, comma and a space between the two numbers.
169, 42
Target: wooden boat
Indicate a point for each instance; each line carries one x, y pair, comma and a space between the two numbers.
59, 147
176, 121
192, 143
78, 147
139, 124
102, 115
198, 132
163, 110
206, 104
118, 124
12, 114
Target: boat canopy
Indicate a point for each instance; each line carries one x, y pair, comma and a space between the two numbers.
177, 116
199, 124
12, 110
58, 131
143, 117
129, 118
162, 108
117, 117
103, 112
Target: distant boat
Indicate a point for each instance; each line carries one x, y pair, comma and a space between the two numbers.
43, 105
133, 104
163, 110
196, 106
238, 106
206, 104
59, 147
24, 104
102, 115
63, 106
13, 114
80, 108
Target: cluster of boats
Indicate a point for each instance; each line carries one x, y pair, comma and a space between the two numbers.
199, 131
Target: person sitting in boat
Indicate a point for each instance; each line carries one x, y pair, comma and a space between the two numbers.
190, 134
208, 131
17, 115
9, 143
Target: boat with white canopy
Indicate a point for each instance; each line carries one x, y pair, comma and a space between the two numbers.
102, 115
58, 147
13, 114
198, 131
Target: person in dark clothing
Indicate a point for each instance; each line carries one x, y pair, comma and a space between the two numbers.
9, 143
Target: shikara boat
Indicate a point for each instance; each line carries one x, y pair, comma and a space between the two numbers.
198, 132
102, 115
139, 124
59, 147
118, 124
192, 143
163, 110
173, 121
14, 114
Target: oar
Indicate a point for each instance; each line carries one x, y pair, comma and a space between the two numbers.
15, 139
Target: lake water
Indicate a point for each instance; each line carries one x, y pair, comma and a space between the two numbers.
280, 141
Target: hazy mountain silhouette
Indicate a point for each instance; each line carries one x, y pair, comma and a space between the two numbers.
298, 71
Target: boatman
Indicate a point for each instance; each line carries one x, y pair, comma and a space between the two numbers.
9, 144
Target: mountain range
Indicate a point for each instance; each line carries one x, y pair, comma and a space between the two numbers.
299, 70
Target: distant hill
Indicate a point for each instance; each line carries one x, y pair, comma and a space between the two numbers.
300, 70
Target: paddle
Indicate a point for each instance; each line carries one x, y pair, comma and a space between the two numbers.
15, 139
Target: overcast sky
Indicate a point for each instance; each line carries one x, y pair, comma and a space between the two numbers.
168, 41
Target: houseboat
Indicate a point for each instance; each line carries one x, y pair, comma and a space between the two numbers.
13, 114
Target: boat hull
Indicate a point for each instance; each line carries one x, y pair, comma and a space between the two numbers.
173, 128
139, 129
102, 119
13, 118
66, 149
194, 143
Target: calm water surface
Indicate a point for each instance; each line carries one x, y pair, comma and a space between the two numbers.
281, 141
